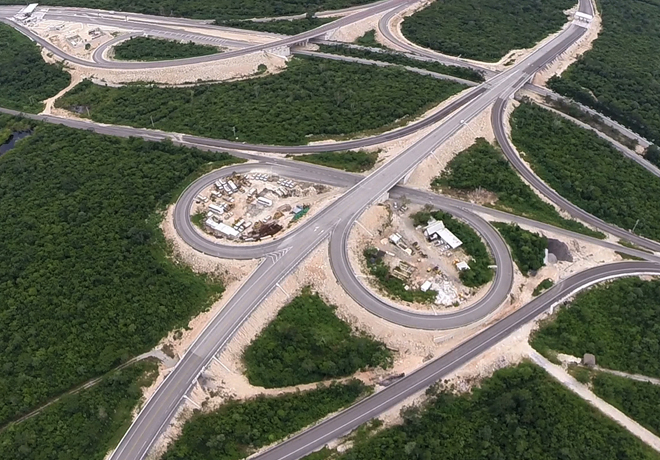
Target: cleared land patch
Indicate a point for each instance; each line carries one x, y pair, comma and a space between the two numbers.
620, 75
587, 170
485, 30
155, 49
313, 98
25, 78
307, 343
86, 282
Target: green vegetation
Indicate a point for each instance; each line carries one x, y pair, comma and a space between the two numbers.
368, 39
81, 426
84, 276
652, 155
25, 78
479, 273
528, 248
312, 97
284, 26
198, 219
484, 166
203, 9
347, 160
630, 245
639, 400
581, 374
620, 75
156, 49
394, 286
543, 286
307, 343
573, 110
402, 59
587, 170
519, 412
485, 30
627, 256
618, 322
237, 429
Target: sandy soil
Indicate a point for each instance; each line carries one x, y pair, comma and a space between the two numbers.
352, 32
315, 195
434, 164
573, 53
49, 103
373, 229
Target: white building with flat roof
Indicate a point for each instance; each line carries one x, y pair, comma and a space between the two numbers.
436, 230
221, 229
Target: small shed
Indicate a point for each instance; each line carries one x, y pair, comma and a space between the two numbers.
589, 360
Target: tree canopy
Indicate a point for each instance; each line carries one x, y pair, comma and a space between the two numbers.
25, 78
618, 322
620, 75
528, 248
485, 30
156, 49
81, 426
307, 343
238, 428
518, 413
483, 165
84, 276
587, 170
313, 98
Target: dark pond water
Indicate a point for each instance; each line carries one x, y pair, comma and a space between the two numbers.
15, 137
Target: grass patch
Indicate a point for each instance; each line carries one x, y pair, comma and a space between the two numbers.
239, 428
618, 322
83, 264
307, 343
528, 248
485, 30
587, 170
627, 256
156, 49
313, 97
85, 425
542, 286
519, 412
401, 59
285, 26
619, 76
484, 166
198, 219
639, 400
348, 160
479, 273
25, 78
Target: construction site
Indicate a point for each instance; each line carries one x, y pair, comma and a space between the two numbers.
427, 258
256, 206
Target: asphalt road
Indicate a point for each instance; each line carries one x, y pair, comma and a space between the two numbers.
346, 421
284, 41
160, 408
498, 123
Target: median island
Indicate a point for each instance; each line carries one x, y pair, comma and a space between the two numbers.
312, 99
155, 49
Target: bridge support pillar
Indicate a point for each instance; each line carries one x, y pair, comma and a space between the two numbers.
280, 51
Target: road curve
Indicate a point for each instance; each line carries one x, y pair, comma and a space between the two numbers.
343, 423
288, 41
498, 119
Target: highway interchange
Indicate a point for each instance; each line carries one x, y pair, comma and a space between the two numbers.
334, 223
